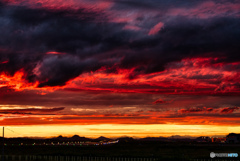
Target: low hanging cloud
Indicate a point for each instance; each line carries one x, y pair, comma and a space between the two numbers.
31, 110
160, 101
196, 110
219, 110
229, 109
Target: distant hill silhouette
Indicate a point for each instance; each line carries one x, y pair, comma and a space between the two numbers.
73, 138
154, 139
102, 138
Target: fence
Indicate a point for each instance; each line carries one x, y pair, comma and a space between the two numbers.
84, 158
69, 158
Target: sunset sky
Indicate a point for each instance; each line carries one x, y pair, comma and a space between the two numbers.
119, 67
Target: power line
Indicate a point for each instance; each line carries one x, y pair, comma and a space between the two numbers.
13, 131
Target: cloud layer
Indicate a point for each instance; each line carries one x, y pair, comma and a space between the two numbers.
118, 61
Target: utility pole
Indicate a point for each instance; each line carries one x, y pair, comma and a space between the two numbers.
3, 146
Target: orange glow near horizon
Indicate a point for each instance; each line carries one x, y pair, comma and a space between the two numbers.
113, 130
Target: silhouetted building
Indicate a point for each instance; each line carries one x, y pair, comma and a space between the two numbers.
203, 139
218, 140
233, 138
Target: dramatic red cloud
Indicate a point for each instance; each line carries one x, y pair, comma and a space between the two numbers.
156, 29
4, 62
54, 52
193, 110
195, 76
159, 101
229, 109
58, 4
16, 82
202, 10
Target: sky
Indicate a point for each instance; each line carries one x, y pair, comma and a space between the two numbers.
119, 67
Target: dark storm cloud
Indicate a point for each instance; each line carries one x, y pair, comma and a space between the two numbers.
153, 4
27, 34
186, 38
90, 41
58, 70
